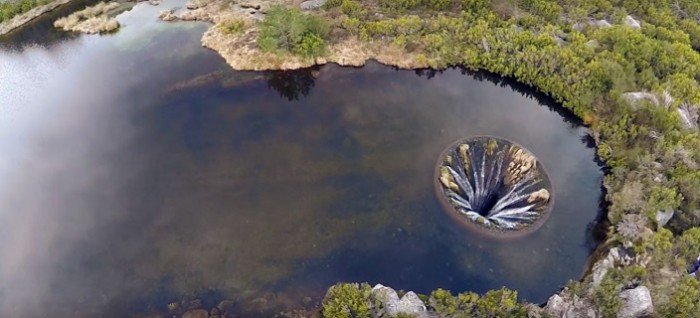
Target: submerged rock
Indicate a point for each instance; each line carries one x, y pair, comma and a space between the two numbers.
636, 303
391, 305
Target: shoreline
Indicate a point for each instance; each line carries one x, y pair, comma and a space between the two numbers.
26, 17
241, 53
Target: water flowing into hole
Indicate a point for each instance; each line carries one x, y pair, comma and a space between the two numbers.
495, 185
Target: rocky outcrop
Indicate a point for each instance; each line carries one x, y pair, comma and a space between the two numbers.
570, 307
662, 217
312, 4
636, 303
539, 195
690, 115
631, 22
91, 20
390, 305
21, 19
168, 15
633, 97
591, 23
616, 256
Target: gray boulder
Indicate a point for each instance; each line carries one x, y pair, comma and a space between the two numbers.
312, 4
690, 115
662, 217
616, 256
631, 22
390, 305
566, 307
636, 303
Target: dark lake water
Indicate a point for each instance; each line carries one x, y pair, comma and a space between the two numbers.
137, 169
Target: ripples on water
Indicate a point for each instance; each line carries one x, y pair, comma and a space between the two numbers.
137, 169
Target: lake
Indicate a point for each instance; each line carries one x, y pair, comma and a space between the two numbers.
138, 169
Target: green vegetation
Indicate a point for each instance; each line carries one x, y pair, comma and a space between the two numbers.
12, 8
685, 300
635, 86
293, 31
498, 303
232, 26
605, 296
354, 300
348, 301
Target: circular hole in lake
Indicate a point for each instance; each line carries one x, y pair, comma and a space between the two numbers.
180, 178
493, 186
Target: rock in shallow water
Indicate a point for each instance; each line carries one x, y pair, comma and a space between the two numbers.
636, 302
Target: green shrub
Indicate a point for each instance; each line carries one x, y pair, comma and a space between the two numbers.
500, 303
400, 5
550, 10
232, 26
688, 245
606, 297
351, 8
10, 9
405, 5
293, 31
352, 25
330, 4
495, 303
347, 301
310, 45
685, 300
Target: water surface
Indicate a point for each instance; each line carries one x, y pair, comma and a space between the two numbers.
137, 169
